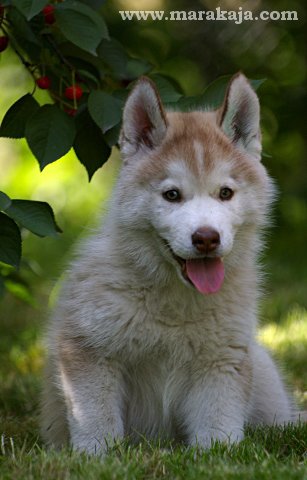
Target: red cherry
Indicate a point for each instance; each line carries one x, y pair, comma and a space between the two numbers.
4, 41
48, 12
74, 92
43, 82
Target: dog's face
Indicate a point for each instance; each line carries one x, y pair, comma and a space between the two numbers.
194, 180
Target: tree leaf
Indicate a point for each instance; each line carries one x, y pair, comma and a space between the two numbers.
105, 110
120, 63
121, 94
188, 104
14, 122
112, 135
38, 217
29, 8
22, 30
137, 67
81, 25
95, 4
214, 94
50, 133
90, 145
10, 241
166, 89
84, 74
256, 83
114, 55
83, 60
5, 201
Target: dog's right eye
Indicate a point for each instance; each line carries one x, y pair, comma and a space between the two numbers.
172, 195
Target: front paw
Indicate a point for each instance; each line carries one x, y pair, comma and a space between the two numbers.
93, 445
90, 446
205, 439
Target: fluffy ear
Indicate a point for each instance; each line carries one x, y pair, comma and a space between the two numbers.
240, 116
144, 120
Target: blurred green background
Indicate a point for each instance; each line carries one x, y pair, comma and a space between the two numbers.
194, 53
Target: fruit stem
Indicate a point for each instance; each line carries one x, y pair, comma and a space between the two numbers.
60, 100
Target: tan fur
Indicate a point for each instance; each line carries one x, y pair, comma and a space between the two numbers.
203, 128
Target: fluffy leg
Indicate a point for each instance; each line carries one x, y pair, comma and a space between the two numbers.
215, 408
270, 401
53, 417
93, 396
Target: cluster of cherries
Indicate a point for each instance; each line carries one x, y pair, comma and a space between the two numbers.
72, 92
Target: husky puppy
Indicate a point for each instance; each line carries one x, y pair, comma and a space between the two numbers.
154, 332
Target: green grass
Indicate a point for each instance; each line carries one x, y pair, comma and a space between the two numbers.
264, 454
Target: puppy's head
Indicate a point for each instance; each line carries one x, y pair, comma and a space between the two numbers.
193, 181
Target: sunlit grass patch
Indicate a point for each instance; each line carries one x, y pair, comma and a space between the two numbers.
288, 340
293, 330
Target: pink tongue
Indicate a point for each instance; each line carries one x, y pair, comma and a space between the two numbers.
206, 274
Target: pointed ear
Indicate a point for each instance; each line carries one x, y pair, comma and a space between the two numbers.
240, 116
144, 119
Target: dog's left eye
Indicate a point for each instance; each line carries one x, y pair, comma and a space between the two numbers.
172, 195
226, 193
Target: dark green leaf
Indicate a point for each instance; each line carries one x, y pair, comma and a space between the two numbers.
115, 56
188, 104
137, 67
85, 75
167, 91
50, 134
5, 201
95, 4
81, 25
22, 29
14, 122
214, 94
121, 94
83, 60
10, 241
90, 146
256, 83
105, 110
29, 8
37, 217
112, 135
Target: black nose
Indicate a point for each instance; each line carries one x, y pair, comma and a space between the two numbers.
206, 239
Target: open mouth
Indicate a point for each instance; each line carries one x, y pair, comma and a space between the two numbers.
206, 273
